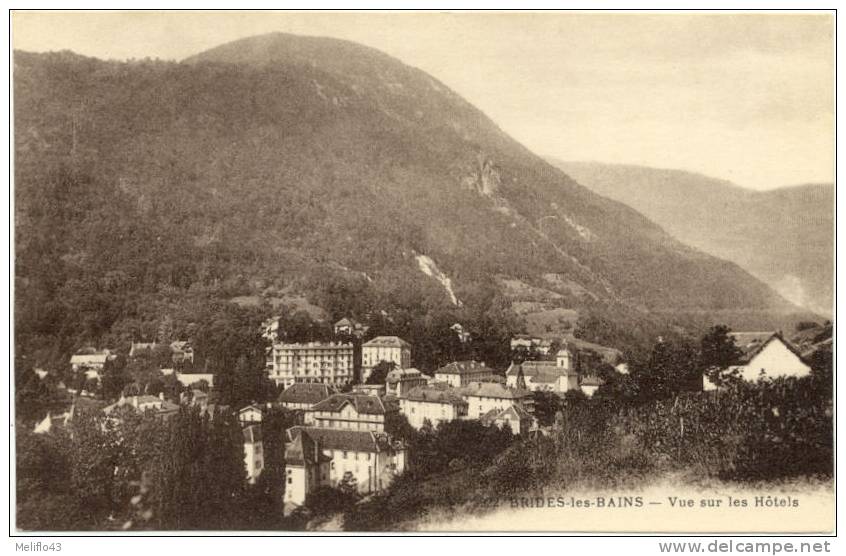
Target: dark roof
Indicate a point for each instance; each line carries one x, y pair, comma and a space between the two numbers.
591, 380
546, 371
753, 343
463, 367
340, 439
493, 390
301, 449
516, 413
361, 402
305, 393
387, 341
435, 395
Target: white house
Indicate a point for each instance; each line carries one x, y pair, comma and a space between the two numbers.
390, 349
250, 415
484, 396
187, 379
253, 452
518, 419
350, 327
765, 354
91, 361
316, 457
437, 405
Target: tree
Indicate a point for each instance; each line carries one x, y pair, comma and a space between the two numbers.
717, 354
546, 404
671, 369
379, 374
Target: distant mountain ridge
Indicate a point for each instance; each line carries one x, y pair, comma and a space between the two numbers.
328, 169
783, 236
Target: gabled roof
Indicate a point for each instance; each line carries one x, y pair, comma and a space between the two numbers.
301, 449
387, 341
338, 439
493, 390
463, 367
753, 343
405, 374
253, 407
362, 403
305, 393
435, 395
540, 371
513, 413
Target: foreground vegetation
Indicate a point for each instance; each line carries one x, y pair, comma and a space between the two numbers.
771, 431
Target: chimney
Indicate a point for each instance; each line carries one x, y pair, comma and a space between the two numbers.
161, 395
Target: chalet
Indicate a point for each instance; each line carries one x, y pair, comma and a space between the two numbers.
389, 349
437, 405
250, 415
318, 456
462, 373
518, 419
765, 355
484, 396
589, 384
350, 327
350, 411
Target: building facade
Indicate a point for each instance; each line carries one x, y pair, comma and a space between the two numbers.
436, 405
350, 412
558, 376
400, 381
765, 355
462, 373
482, 397
313, 362
390, 349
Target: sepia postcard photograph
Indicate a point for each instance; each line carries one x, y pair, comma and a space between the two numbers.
419, 272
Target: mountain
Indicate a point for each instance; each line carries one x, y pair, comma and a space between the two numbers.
280, 167
783, 236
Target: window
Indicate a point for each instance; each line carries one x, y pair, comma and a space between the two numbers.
290, 480
345, 454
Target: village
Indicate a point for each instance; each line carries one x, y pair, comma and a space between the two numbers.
343, 393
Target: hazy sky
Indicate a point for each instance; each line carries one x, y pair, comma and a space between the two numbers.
749, 98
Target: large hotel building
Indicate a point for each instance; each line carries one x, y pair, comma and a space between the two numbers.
311, 362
